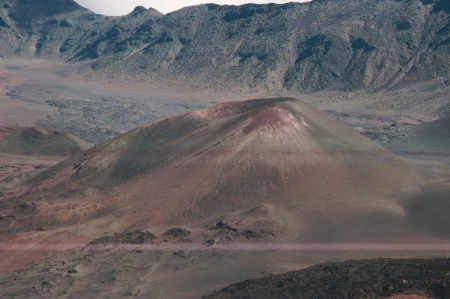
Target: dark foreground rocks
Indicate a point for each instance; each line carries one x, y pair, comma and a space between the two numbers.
379, 278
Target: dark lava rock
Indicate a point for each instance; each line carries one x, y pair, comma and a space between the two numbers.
177, 232
379, 278
134, 237
222, 225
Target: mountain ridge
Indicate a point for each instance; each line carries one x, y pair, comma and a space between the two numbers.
337, 45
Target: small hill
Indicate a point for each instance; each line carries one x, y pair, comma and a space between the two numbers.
39, 142
432, 138
436, 134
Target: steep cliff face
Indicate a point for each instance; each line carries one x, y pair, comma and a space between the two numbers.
323, 44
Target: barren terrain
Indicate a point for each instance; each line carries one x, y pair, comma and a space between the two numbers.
223, 247
190, 186
93, 110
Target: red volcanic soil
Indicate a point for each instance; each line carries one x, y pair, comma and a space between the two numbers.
277, 169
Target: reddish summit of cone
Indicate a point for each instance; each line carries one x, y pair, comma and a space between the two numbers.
272, 119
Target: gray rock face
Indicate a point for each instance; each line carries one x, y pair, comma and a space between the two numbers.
323, 44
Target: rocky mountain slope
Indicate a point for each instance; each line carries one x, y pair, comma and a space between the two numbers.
323, 44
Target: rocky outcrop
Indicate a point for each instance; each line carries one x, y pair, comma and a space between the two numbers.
380, 278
